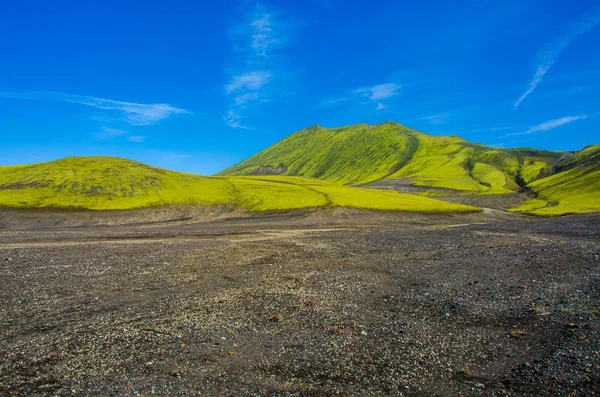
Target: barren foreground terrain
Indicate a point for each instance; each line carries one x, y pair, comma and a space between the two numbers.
329, 304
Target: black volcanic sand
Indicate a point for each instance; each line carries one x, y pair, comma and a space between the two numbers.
320, 305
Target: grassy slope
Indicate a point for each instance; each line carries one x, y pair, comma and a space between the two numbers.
575, 188
105, 183
359, 154
353, 154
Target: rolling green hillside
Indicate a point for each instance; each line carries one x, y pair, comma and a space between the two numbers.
573, 188
313, 167
353, 154
359, 154
106, 183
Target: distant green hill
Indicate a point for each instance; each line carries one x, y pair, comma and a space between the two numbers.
574, 186
354, 154
320, 167
106, 183
359, 154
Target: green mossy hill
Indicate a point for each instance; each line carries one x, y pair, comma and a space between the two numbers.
574, 186
106, 183
359, 154
345, 155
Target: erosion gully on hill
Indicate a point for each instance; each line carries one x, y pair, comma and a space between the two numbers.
338, 303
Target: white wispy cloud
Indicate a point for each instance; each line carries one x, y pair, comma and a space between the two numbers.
233, 120
110, 133
546, 58
257, 40
262, 35
247, 82
136, 138
548, 125
379, 92
367, 95
242, 99
107, 133
133, 113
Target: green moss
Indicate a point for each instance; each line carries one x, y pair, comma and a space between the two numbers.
348, 155
359, 154
532, 170
575, 189
494, 179
530, 205
387, 200
317, 165
105, 183
433, 168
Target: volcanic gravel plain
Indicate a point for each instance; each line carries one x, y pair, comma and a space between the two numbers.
322, 303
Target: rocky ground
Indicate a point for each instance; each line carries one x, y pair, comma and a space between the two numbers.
333, 304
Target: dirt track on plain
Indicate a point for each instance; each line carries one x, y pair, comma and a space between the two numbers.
315, 306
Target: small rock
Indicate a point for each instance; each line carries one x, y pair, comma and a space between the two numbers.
276, 318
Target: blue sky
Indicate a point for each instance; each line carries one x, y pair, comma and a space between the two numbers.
198, 86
